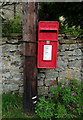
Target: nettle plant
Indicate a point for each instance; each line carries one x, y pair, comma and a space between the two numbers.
65, 102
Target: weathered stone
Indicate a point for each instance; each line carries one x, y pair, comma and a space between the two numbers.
62, 65
0, 89
78, 52
41, 76
0, 50
65, 58
76, 63
40, 82
4, 39
51, 74
13, 48
15, 70
65, 47
21, 90
72, 58
20, 47
43, 90
50, 82
67, 53
10, 87
8, 47
80, 57
79, 45
67, 41
62, 74
7, 74
71, 74
73, 46
0, 78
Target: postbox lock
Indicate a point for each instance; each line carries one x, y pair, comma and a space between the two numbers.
47, 42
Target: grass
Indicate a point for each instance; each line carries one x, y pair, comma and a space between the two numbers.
12, 106
0, 106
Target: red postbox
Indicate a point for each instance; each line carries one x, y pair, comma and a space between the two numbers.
47, 44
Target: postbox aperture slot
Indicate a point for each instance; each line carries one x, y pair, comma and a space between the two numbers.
48, 30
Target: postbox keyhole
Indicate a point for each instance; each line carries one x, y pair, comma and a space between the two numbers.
47, 42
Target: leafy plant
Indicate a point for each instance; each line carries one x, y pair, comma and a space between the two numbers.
45, 108
75, 31
61, 111
12, 26
65, 102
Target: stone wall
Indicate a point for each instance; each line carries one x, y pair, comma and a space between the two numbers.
69, 66
12, 65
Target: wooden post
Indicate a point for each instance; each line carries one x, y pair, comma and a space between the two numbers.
30, 70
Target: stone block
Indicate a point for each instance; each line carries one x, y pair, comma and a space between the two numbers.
73, 46
72, 74
0, 89
79, 58
67, 41
80, 45
62, 74
10, 87
65, 47
78, 52
64, 58
50, 82
15, 70
13, 48
7, 74
43, 90
62, 65
76, 63
21, 90
72, 58
68, 53
51, 74
13, 87
0, 50
40, 82
41, 76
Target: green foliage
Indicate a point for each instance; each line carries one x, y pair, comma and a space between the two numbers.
70, 10
73, 30
12, 26
70, 97
72, 13
66, 100
12, 106
61, 111
45, 108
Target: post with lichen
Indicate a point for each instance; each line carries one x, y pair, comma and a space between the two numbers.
29, 45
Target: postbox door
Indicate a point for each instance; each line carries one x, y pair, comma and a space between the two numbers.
47, 54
